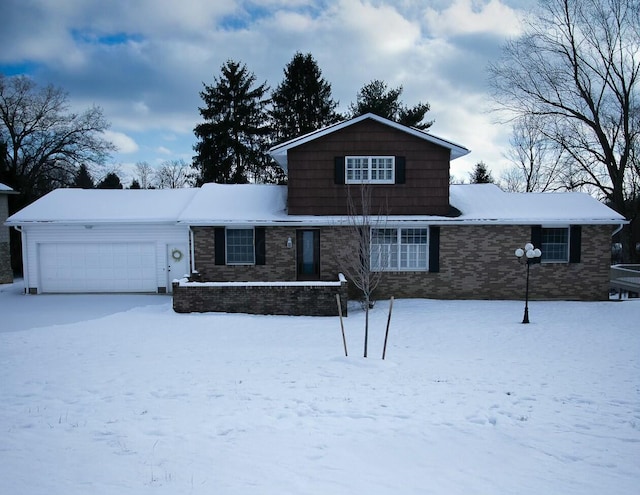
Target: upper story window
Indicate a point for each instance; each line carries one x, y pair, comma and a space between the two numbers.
555, 245
400, 249
369, 169
240, 247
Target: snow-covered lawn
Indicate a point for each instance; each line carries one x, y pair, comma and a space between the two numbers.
119, 395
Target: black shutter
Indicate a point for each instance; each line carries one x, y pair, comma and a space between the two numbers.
338, 177
259, 234
536, 240
434, 249
400, 170
575, 243
219, 241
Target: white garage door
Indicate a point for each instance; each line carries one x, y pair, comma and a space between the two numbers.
111, 267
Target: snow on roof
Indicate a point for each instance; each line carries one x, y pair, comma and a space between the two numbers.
105, 206
279, 152
217, 204
6, 189
264, 204
487, 203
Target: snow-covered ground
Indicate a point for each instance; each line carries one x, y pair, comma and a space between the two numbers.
119, 395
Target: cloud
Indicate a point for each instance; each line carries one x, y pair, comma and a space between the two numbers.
144, 62
124, 143
464, 17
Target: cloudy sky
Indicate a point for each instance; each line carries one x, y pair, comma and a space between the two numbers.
144, 61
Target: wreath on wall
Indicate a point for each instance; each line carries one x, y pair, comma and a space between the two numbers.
176, 254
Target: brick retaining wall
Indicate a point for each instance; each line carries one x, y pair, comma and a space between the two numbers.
295, 298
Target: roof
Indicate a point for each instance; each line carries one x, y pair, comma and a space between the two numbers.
263, 204
279, 152
216, 204
105, 206
4, 189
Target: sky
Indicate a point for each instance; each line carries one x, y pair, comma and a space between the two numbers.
145, 62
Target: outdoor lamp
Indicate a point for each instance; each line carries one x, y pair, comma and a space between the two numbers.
527, 256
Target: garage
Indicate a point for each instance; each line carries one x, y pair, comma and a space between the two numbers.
104, 240
97, 267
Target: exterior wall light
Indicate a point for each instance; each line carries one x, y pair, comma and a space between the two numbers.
289, 243
527, 256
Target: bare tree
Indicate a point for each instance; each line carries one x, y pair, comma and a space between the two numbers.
537, 161
45, 143
576, 69
144, 175
357, 265
174, 174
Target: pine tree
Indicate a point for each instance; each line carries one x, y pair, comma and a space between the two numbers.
480, 174
376, 98
135, 184
83, 178
232, 140
302, 102
110, 181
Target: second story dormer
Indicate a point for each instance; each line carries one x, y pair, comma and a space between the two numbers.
406, 169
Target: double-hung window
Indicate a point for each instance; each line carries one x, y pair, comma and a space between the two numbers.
555, 245
402, 249
369, 169
240, 247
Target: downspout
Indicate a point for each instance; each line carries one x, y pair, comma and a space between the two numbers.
25, 258
620, 227
192, 251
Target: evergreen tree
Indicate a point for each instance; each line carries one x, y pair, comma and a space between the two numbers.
302, 102
135, 184
480, 174
232, 140
110, 181
83, 178
376, 98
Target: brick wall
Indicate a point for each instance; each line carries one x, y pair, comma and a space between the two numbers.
476, 262
280, 263
308, 299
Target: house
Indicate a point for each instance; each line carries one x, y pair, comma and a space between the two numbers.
6, 273
281, 249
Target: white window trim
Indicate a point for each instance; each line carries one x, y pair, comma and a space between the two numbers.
568, 229
369, 180
226, 246
399, 244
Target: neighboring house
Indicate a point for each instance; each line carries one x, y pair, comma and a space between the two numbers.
280, 249
6, 273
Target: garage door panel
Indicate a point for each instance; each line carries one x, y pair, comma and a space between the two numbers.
98, 267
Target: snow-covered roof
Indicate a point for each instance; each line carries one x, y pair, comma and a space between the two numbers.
488, 204
279, 152
217, 204
262, 204
4, 189
105, 206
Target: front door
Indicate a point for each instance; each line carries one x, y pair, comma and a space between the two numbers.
177, 262
308, 254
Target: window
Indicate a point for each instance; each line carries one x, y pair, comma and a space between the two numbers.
399, 249
370, 169
555, 245
240, 247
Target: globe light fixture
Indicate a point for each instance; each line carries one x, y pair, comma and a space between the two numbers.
527, 256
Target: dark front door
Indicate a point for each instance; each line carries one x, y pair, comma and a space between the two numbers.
308, 254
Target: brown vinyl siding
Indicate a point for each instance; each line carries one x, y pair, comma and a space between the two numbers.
311, 183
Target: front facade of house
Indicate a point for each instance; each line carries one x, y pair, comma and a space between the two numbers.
427, 239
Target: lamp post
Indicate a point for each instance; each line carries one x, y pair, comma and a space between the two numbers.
527, 255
